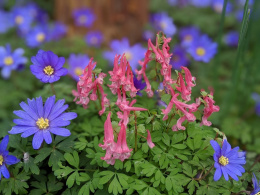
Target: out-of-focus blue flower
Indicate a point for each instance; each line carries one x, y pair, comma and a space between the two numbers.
217, 5
133, 53
42, 120
47, 66
188, 35
37, 13
5, 21
203, 49
94, 38
37, 36
22, 18
148, 34
77, 63
179, 58
10, 60
256, 186
201, 3
6, 159
84, 17
173, 2
56, 31
227, 161
164, 23
239, 15
139, 85
242, 2
231, 38
256, 98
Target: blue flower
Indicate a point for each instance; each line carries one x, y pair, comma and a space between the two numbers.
42, 120
179, 58
22, 18
164, 23
139, 85
201, 3
11, 60
231, 38
188, 35
77, 63
217, 5
94, 38
5, 21
148, 34
37, 36
227, 161
47, 66
256, 97
56, 31
133, 53
203, 49
84, 17
6, 159
256, 185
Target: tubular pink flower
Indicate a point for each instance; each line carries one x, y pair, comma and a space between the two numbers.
149, 139
108, 134
185, 93
190, 80
179, 126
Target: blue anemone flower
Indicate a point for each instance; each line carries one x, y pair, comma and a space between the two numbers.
77, 63
133, 53
179, 58
56, 31
232, 38
139, 85
22, 18
227, 161
256, 185
5, 21
6, 159
164, 23
42, 120
188, 35
84, 17
11, 60
94, 38
203, 49
47, 66
37, 36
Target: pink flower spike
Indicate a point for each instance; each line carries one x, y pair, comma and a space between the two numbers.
108, 133
179, 126
149, 139
190, 80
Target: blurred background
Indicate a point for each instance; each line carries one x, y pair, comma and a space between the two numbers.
221, 48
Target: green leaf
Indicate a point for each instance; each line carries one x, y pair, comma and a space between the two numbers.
72, 160
106, 177
127, 166
192, 185
115, 187
179, 146
42, 154
30, 165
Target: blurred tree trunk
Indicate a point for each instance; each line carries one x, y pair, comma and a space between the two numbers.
115, 18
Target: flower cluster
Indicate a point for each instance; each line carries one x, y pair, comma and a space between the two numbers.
89, 85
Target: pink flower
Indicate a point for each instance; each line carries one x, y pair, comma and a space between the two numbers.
108, 134
208, 109
190, 80
149, 139
185, 93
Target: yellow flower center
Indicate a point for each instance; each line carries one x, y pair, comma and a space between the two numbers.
258, 193
18, 19
223, 160
200, 51
128, 55
40, 37
188, 38
82, 19
163, 25
48, 70
1, 159
8, 61
42, 123
78, 71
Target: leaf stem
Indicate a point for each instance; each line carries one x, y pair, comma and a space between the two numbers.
52, 89
201, 178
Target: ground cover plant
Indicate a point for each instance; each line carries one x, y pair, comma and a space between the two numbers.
161, 117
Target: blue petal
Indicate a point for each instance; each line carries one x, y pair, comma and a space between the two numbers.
30, 131
218, 174
239, 167
54, 78
232, 174
47, 137
24, 122
48, 106
28, 110
60, 63
46, 57
255, 182
233, 169
61, 72
225, 148
6, 72
37, 140
10, 160
224, 171
33, 106
237, 161
4, 143
232, 152
215, 146
60, 131
39, 105
22, 115
18, 129
54, 60
5, 171
59, 122
68, 116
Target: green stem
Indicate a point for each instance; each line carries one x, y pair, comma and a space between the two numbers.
201, 178
52, 89
99, 98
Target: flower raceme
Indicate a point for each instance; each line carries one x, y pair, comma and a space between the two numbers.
42, 120
88, 85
